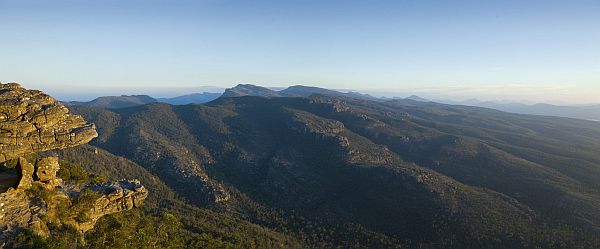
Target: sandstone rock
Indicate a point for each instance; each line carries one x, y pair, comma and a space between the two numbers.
114, 197
18, 211
46, 168
31, 122
45, 171
25, 170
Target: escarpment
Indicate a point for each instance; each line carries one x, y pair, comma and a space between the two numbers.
32, 196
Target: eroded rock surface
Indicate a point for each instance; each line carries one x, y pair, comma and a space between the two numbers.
45, 171
33, 122
25, 171
114, 197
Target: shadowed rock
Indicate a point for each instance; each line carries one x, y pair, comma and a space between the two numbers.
25, 170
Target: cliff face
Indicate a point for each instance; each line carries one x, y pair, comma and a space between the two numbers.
33, 197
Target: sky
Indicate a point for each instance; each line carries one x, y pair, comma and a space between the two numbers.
535, 51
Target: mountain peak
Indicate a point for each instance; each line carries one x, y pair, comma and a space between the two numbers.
249, 90
115, 102
417, 98
305, 91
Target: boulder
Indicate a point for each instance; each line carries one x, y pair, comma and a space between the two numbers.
45, 171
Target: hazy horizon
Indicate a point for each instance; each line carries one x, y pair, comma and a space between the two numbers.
88, 93
534, 51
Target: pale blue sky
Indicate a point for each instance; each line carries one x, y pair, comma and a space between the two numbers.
522, 50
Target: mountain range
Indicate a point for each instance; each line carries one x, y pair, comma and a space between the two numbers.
194, 98
124, 101
292, 91
114, 102
302, 169
588, 112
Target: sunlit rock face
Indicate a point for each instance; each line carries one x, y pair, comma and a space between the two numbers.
32, 122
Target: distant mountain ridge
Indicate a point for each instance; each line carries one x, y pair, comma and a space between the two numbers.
591, 112
194, 98
126, 101
292, 91
116, 102
417, 98
250, 90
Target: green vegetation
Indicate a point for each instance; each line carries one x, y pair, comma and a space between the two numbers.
194, 226
324, 172
39, 191
135, 230
61, 239
75, 173
83, 202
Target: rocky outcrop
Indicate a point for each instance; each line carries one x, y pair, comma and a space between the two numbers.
322, 129
32, 208
111, 198
33, 122
116, 197
326, 104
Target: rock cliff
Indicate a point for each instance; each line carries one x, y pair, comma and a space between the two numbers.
33, 196
31, 122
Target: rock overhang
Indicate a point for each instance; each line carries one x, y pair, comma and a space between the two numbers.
33, 122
